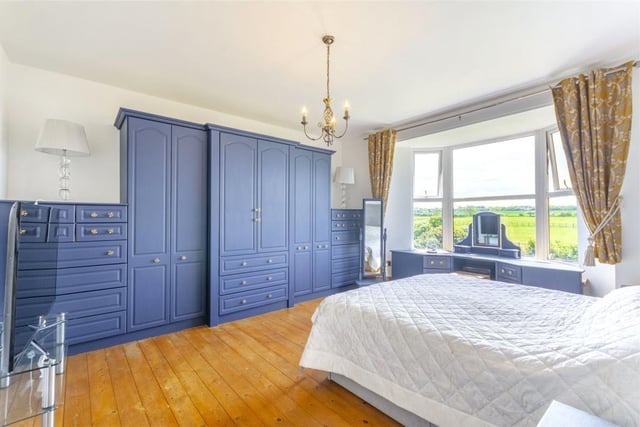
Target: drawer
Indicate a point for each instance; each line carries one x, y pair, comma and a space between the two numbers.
93, 213
33, 213
101, 231
345, 225
438, 262
246, 300
76, 305
62, 214
342, 251
238, 264
346, 214
345, 264
33, 232
345, 237
34, 283
344, 279
509, 273
83, 329
60, 233
246, 282
61, 255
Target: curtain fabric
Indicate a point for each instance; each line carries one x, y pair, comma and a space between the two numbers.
381, 150
594, 117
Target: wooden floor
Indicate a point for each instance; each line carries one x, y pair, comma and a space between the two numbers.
240, 373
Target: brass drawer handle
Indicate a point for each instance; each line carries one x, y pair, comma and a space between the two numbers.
94, 231
110, 231
24, 213
23, 232
110, 215
183, 257
156, 260
110, 253
94, 215
244, 301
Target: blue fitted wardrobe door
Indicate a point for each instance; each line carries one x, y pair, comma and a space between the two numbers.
302, 215
322, 221
189, 200
273, 196
238, 194
149, 152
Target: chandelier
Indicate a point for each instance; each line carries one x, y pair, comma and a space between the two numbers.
328, 126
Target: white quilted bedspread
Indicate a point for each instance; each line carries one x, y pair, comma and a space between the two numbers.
461, 351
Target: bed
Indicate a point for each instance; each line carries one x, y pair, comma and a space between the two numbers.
461, 351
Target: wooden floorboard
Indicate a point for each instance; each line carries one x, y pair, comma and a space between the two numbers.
243, 373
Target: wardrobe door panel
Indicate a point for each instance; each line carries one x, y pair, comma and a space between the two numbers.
238, 194
273, 196
149, 169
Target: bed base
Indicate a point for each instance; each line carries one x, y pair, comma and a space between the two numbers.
399, 414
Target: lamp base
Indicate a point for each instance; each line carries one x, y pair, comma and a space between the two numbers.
343, 194
64, 178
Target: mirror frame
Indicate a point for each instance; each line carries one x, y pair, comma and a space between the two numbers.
380, 245
477, 218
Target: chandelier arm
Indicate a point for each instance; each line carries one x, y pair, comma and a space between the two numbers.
345, 130
310, 137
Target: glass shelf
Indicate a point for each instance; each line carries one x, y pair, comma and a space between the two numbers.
35, 386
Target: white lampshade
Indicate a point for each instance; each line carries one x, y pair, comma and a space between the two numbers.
60, 137
344, 175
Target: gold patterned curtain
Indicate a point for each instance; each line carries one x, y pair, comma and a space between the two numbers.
381, 150
593, 111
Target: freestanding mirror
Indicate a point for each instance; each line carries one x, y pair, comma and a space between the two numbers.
373, 256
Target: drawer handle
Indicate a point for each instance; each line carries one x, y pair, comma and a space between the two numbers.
502, 270
23, 232
269, 261
432, 262
510, 272
94, 215
94, 231
298, 248
110, 214
244, 282
337, 237
183, 257
24, 213
243, 263
441, 262
156, 260
110, 231
269, 296
269, 278
110, 253
306, 247
244, 301
326, 246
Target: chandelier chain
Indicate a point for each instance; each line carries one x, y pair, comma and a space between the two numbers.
328, 94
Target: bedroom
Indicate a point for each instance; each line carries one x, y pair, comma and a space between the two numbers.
41, 78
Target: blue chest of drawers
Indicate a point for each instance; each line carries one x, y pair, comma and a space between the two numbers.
72, 258
346, 227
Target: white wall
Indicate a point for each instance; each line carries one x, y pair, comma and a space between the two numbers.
4, 133
355, 155
35, 95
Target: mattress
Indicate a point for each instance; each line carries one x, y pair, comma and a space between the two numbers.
462, 351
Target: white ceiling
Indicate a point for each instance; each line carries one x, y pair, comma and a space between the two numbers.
394, 62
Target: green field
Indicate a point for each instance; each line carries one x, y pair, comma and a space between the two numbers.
520, 224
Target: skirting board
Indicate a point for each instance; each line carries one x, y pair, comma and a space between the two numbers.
399, 414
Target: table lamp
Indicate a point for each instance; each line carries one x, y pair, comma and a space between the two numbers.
344, 176
64, 139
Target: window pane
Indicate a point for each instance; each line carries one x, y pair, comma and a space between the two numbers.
496, 169
426, 175
563, 229
518, 217
427, 225
560, 179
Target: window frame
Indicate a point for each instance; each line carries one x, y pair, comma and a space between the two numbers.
543, 192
